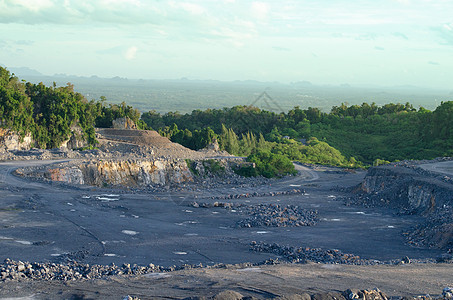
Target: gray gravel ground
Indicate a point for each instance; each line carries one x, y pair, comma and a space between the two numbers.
63, 225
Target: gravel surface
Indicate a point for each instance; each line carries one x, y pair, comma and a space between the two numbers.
332, 256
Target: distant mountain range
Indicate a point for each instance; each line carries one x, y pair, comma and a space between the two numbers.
185, 95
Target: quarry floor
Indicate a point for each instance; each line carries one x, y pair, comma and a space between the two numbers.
50, 222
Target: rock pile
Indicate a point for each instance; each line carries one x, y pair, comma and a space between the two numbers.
304, 255
18, 270
274, 215
410, 189
349, 294
256, 194
270, 215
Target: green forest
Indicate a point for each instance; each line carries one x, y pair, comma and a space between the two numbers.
347, 136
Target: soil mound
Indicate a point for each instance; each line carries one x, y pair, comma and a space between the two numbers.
138, 137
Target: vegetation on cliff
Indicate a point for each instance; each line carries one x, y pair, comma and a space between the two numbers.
359, 133
50, 113
347, 136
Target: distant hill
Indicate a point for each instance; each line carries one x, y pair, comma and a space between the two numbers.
185, 95
24, 71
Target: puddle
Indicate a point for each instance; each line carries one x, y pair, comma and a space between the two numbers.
24, 242
250, 270
190, 222
330, 266
31, 297
129, 232
157, 275
179, 252
107, 199
332, 220
114, 242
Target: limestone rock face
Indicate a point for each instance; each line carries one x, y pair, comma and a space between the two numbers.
10, 140
123, 123
214, 146
405, 189
68, 175
76, 140
128, 173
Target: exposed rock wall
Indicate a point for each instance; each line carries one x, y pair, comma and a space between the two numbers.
76, 140
10, 140
123, 123
128, 173
412, 190
405, 189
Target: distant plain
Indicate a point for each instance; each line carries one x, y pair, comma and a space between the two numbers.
185, 95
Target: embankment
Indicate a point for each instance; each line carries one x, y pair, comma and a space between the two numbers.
410, 189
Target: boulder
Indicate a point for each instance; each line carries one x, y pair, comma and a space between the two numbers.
123, 123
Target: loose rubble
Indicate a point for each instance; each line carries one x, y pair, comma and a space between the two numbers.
274, 215
18, 270
410, 189
256, 194
270, 215
304, 255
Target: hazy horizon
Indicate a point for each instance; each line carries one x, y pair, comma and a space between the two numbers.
382, 43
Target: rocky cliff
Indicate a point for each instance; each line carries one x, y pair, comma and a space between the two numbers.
127, 173
405, 189
412, 190
10, 140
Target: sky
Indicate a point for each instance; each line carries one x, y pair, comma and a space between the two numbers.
378, 42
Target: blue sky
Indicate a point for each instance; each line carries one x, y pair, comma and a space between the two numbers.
382, 42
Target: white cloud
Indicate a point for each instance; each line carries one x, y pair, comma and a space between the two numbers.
33, 5
259, 10
406, 2
130, 53
192, 8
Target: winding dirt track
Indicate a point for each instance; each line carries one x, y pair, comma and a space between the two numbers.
445, 167
42, 222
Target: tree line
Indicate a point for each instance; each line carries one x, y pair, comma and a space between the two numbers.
348, 135
366, 133
49, 114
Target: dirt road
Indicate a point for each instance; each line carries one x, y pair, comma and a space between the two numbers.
53, 223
